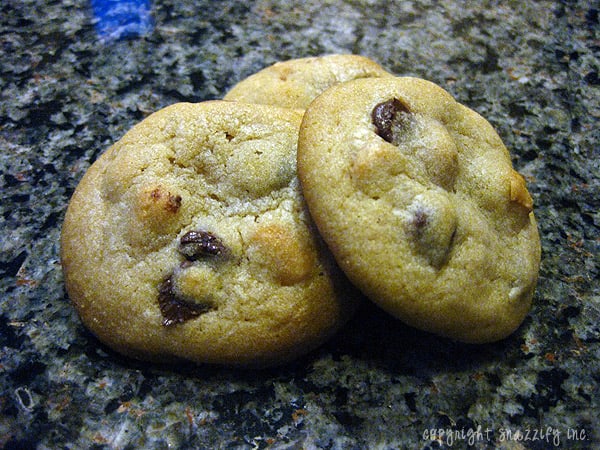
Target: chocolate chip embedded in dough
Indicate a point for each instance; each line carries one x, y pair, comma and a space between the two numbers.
385, 115
170, 202
431, 223
419, 219
199, 243
174, 309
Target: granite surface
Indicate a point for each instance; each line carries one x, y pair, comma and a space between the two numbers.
76, 75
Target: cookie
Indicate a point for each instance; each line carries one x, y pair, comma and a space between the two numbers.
416, 196
295, 83
189, 239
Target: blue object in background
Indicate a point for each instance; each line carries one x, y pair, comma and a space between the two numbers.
118, 19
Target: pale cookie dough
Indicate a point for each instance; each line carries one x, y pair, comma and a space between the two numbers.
296, 82
416, 196
189, 240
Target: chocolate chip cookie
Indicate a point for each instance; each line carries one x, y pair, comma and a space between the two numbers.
189, 239
295, 83
416, 196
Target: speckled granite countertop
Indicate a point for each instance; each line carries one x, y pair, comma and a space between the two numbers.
72, 82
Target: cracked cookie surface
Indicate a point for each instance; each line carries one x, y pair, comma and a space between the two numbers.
296, 82
416, 196
189, 239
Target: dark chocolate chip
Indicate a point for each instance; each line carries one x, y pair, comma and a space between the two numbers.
385, 114
196, 244
174, 309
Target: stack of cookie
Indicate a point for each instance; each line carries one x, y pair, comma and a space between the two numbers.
244, 231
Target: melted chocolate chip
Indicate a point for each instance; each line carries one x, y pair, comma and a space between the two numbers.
174, 309
385, 114
196, 244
